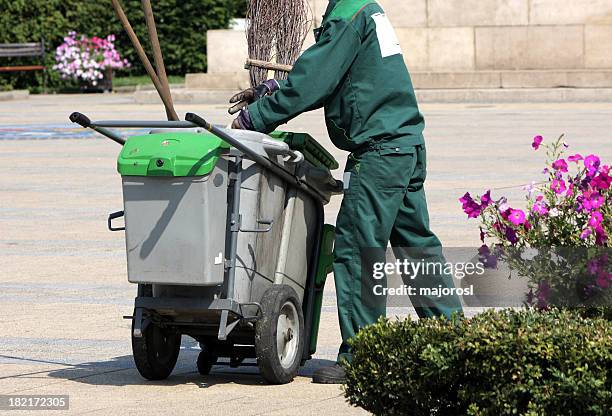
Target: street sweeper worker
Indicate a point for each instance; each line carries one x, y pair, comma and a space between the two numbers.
356, 71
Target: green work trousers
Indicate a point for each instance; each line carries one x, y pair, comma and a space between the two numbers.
384, 201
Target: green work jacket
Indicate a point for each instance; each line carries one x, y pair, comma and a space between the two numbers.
356, 71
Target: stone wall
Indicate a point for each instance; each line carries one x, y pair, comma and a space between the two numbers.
482, 43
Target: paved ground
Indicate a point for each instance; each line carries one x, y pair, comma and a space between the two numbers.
63, 286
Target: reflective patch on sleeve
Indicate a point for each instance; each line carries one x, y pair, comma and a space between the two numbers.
387, 39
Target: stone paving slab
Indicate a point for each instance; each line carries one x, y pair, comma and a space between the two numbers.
63, 284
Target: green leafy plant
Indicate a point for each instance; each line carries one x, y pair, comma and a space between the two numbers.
497, 363
182, 27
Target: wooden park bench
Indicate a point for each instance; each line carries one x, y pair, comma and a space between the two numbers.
21, 50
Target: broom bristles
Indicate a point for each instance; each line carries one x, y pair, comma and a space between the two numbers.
276, 29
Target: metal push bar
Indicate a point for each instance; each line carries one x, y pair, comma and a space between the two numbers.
193, 120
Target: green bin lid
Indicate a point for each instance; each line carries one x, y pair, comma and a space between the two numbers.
312, 150
170, 154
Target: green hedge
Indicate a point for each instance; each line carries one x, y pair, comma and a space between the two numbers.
497, 363
182, 26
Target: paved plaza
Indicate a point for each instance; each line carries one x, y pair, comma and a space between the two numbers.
63, 282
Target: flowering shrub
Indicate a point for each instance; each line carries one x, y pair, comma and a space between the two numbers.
85, 59
567, 220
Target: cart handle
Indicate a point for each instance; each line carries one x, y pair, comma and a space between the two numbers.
268, 164
84, 121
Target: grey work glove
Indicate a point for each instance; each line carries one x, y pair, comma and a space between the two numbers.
251, 95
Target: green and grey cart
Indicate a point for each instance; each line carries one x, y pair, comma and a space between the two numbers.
226, 240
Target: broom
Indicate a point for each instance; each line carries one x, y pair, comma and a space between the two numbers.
276, 30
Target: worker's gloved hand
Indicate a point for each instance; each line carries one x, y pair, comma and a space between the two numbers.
251, 95
243, 121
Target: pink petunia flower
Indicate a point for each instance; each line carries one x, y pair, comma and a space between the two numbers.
603, 181
470, 207
575, 158
530, 188
537, 142
517, 217
596, 219
511, 235
540, 208
604, 279
586, 233
486, 199
600, 236
543, 293
592, 163
558, 185
560, 165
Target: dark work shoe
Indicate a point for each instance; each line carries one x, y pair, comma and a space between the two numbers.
334, 374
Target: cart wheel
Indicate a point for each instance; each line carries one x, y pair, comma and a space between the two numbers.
279, 335
156, 352
205, 361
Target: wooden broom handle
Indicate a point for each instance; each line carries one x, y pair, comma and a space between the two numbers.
157, 54
145, 60
267, 65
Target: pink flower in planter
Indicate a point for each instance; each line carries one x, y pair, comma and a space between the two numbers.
488, 258
593, 266
558, 185
537, 142
503, 205
575, 158
600, 236
543, 294
486, 199
531, 188
603, 181
517, 217
586, 233
604, 279
470, 207
596, 219
540, 208
505, 214
592, 163
590, 201
511, 235
560, 165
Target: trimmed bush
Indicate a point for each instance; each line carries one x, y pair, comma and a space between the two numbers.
497, 363
181, 25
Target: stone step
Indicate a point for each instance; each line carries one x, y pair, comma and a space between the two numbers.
473, 95
218, 81
14, 95
514, 79
445, 80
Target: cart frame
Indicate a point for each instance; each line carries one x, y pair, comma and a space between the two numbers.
145, 305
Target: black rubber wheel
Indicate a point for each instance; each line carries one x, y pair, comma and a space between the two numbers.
205, 361
279, 335
156, 352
